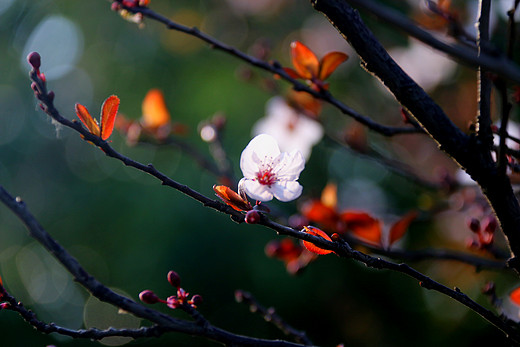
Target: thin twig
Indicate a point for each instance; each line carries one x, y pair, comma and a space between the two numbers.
491, 61
92, 333
103, 293
341, 249
463, 149
270, 315
484, 132
276, 69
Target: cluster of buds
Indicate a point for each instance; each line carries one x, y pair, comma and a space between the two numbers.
121, 6
34, 59
484, 231
3, 305
181, 300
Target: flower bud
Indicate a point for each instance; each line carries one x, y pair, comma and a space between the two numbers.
51, 95
174, 279
252, 217
35, 60
196, 299
148, 297
474, 225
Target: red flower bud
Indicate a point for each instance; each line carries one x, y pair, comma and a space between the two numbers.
173, 302
252, 217
492, 224
174, 279
35, 60
148, 297
196, 299
474, 225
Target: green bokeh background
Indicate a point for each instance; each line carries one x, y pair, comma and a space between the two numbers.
129, 231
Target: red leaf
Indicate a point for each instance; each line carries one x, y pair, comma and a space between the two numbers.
317, 212
311, 247
155, 112
304, 61
108, 116
363, 226
330, 62
401, 226
87, 120
231, 198
515, 296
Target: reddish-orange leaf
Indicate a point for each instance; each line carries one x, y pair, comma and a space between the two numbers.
317, 212
304, 102
401, 226
304, 60
108, 116
330, 62
231, 198
515, 296
1, 282
87, 120
329, 195
291, 72
155, 112
311, 247
364, 226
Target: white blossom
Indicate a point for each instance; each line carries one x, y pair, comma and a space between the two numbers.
291, 129
269, 172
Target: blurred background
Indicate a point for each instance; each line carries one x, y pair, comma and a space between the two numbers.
128, 231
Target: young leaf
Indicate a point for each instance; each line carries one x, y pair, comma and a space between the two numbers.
330, 62
515, 296
231, 198
363, 226
108, 116
401, 226
304, 60
87, 120
311, 247
155, 112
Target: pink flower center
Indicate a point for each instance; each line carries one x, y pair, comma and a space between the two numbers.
266, 177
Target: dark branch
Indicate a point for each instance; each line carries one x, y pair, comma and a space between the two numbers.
276, 69
270, 315
471, 154
491, 61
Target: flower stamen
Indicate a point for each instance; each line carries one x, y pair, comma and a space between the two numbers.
266, 177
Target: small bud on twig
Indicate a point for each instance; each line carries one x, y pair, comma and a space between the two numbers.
148, 297
174, 279
35, 60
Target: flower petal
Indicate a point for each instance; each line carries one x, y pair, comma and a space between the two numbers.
108, 116
290, 166
256, 190
330, 62
286, 190
304, 60
87, 120
262, 149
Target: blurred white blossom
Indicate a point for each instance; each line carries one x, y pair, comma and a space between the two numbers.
290, 129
